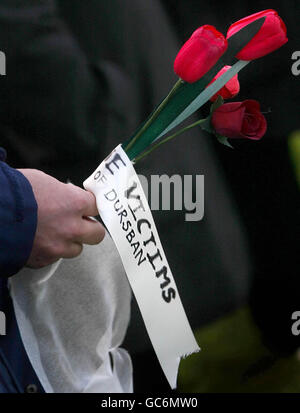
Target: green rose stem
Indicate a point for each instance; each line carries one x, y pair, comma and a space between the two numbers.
155, 114
168, 138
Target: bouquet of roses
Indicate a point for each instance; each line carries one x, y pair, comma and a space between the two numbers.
207, 66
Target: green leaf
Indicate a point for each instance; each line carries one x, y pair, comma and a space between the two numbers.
186, 100
206, 125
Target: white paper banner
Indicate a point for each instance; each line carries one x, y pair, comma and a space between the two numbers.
124, 209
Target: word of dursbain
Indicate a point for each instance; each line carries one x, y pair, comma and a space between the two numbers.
126, 226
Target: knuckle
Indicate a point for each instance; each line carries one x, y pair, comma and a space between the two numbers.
78, 198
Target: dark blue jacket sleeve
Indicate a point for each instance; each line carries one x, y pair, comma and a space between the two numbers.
18, 220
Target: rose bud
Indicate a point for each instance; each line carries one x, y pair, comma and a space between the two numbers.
239, 120
230, 89
200, 53
270, 37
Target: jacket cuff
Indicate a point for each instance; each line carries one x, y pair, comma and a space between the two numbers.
18, 220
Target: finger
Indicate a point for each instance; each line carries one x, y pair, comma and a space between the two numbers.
83, 202
92, 232
72, 250
90, 206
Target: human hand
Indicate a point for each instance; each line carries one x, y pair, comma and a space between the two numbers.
63, 219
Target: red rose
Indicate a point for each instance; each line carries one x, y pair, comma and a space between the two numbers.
240, 120
199, 53
270, 37
230, 89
